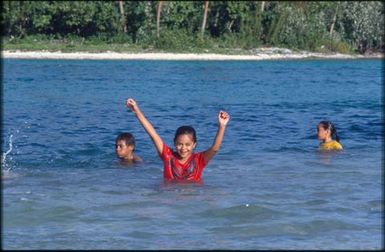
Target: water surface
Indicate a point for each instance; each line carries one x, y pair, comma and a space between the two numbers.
267, 188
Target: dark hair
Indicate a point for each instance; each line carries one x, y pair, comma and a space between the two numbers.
327, 125
128, 138
185, 130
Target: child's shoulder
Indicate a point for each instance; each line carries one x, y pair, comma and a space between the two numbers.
332, 145
137, 159
337, 145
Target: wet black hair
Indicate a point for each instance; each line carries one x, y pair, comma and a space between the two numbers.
128, 138
327, 125
185, 130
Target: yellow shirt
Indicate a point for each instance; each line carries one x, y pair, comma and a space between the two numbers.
332, 145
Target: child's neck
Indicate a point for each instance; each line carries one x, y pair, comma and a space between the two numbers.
183, 160
328, 139
129, 157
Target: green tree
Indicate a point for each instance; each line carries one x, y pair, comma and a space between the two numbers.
246, 24
141, 21
362, 24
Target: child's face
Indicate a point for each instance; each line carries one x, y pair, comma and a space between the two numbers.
184, 145
322, 133
122, 150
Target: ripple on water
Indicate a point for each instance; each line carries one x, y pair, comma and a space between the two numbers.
64, 190
242, 213
31, 215
310, 228
6, 175
374, 206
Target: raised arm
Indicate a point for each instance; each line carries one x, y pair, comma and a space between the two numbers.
158, 142
223, 119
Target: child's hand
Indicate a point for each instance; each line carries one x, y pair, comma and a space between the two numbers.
223, 118
131, 104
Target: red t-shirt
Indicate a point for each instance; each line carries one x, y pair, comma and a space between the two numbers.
191, 170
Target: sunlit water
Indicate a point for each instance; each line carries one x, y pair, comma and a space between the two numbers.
267, 188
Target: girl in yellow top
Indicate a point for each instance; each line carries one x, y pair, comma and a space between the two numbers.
325, 132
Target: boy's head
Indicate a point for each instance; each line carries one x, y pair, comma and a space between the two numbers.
124, 145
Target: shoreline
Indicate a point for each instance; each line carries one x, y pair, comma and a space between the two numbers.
261, 54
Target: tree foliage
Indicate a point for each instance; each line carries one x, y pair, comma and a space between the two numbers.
246, 24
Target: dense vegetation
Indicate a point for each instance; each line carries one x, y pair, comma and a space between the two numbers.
337, 26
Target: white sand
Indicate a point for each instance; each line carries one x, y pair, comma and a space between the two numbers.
260, 54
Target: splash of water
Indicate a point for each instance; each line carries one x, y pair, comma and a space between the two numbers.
3, 164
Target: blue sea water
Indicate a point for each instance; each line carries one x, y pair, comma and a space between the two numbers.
267, 188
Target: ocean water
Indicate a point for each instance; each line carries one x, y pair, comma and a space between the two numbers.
267, 188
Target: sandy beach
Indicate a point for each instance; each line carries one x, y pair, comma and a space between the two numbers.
258, 54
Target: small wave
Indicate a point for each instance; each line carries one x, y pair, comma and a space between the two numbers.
312, 227
316, 202
60, 212
25, 79
242, 213
293, 149
141, 234
6, 174
317, 226
4, 165
375, 206
304, 229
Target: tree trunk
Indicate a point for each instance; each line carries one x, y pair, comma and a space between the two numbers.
260, 31
334, 21
158, 11
122, 16
205, 17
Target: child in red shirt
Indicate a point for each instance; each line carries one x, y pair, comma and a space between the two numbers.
182, 164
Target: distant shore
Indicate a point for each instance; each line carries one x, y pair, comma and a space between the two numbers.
259, 54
